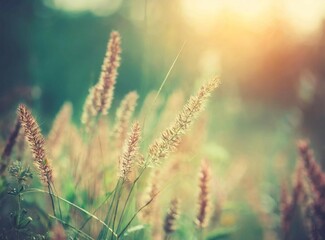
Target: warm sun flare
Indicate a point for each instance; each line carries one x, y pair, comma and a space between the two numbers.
162, 120
303, 14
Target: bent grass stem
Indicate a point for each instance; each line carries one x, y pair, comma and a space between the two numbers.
35, 190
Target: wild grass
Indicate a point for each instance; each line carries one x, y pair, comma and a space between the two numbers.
307, 197
94, 175
139, 173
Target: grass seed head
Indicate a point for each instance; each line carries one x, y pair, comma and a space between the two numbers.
171, 217
130, 151
123, 117
36, 143
202, 217
100, 96
171, 137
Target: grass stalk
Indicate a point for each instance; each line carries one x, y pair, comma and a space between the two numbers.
117, 205
135, 214
100, 205
72, 227
51, 197
128, 197
35, 190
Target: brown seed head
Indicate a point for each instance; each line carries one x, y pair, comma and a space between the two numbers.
171, 137
8, 148
171, 217
130, 151
312, 169
100, 96
202, 218
123, 117
36, 142
316, 178
107, 79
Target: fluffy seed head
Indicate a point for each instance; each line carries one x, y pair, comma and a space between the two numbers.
130, 151
316, 178
202, 217
89, 110
108, 75
100, 96
58, 130
312, 169
36, 143
123, 116
171, 217
171, 137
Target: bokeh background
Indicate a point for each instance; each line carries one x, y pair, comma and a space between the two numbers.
270, 55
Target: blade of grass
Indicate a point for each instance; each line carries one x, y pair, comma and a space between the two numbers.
103, 232
53, 190
162, 85
117, 205
36, 190
139, 210
128, 197
72, 227
99, 206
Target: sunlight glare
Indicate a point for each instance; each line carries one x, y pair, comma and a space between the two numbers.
304, 15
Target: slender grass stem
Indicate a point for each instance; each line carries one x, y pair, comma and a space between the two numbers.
117, 205
128, 197
167, 237
58, 202
35, 190
51, 197
72, 227
162, 85
137, 212
108, 215
200, 234
100, 205
19, 210
113, 201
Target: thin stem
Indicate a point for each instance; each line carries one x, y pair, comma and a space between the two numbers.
128, 197
35, 190
200, 234
117, 204
51, 197
19, 210
100, 205
58, 202
72, 227
162, 85
140, 209
167, 236
108, 216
